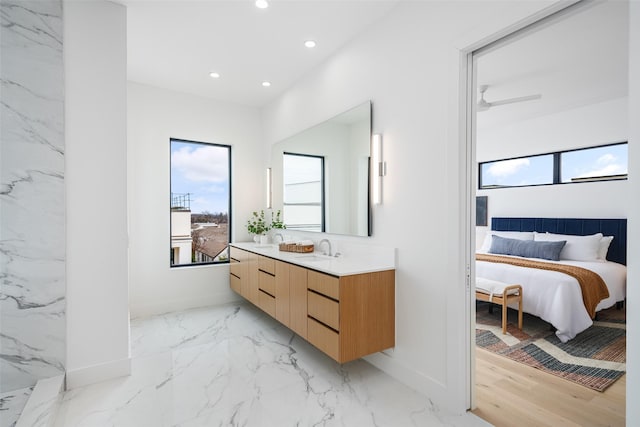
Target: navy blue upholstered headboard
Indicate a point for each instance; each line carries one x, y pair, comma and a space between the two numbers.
576, 226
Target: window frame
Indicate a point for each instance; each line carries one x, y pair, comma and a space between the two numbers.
557, 168
323, 204
229, 209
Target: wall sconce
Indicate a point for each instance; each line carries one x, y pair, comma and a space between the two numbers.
269, 193
378, 168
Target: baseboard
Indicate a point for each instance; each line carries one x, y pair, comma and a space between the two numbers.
98, 373
43, 404
179, 304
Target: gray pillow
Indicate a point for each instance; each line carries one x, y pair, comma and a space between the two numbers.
527, 248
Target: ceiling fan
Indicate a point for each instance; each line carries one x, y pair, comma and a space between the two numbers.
483, 105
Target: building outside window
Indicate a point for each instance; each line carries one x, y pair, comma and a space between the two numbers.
200, 202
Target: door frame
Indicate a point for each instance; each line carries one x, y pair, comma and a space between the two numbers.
467, 99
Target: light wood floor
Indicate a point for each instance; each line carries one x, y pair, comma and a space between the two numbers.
509, 393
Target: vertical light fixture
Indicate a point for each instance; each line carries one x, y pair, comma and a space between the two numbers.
378, 168
269, 194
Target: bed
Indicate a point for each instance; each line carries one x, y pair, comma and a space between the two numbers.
555, 296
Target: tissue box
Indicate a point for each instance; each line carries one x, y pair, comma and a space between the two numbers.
294, 247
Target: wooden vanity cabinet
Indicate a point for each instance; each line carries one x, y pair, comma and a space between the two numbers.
346, 317
351, 316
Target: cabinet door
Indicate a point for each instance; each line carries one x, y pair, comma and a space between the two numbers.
298, 300
282, 293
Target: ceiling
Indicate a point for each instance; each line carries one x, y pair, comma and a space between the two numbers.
176, 44
579, 60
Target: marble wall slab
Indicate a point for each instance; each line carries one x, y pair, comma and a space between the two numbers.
32, 193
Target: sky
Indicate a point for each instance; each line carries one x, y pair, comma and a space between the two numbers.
599, 161
202, 170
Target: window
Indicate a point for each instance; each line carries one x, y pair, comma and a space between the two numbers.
534, 170
601, 163
303, 199
594, 164
200, 202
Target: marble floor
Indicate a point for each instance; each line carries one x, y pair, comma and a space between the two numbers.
11, 404
235, 366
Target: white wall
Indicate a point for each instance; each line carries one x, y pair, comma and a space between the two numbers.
633, 292
410, 57
96, 191
154, 116
597, 124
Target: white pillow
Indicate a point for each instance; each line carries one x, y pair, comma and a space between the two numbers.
604, 247
577, 248
520, 235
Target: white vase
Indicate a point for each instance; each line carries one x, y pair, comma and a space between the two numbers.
256, 238
264, 239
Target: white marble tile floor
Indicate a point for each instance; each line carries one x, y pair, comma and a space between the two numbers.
235, 366
11, 405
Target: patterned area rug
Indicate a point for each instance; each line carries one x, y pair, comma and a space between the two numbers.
595, 358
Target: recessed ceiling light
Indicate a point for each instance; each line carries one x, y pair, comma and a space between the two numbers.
262, 4
310, 44
214, 75
266, 84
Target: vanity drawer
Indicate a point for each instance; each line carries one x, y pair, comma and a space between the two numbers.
323, 338
268, 265
323, 309
267, 283
235, 267
239, 254
267, 303
324, 284
234, 282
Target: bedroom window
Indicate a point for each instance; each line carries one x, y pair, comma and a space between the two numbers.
303, 198
601, 163
200, 203
608, 162
523, 171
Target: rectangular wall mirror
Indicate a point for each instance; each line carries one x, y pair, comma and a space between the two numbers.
321, 175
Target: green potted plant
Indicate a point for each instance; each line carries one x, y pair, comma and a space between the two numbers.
276, 222
257, 225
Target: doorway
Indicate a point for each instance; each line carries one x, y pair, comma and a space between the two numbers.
556, 84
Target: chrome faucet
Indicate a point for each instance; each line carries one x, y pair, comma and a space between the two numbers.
281, 237
328, 244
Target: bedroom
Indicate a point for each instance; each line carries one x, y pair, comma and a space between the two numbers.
575, 91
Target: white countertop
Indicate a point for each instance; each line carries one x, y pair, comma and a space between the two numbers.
344, 265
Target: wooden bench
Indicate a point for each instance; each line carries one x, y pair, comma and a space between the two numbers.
502, 294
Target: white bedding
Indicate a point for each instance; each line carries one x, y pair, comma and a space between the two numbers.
556, 297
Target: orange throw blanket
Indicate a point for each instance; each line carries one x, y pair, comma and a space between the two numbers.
593, 287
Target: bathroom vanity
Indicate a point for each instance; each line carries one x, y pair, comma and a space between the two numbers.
343, 306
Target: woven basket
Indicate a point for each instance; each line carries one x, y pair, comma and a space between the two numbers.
292, 247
